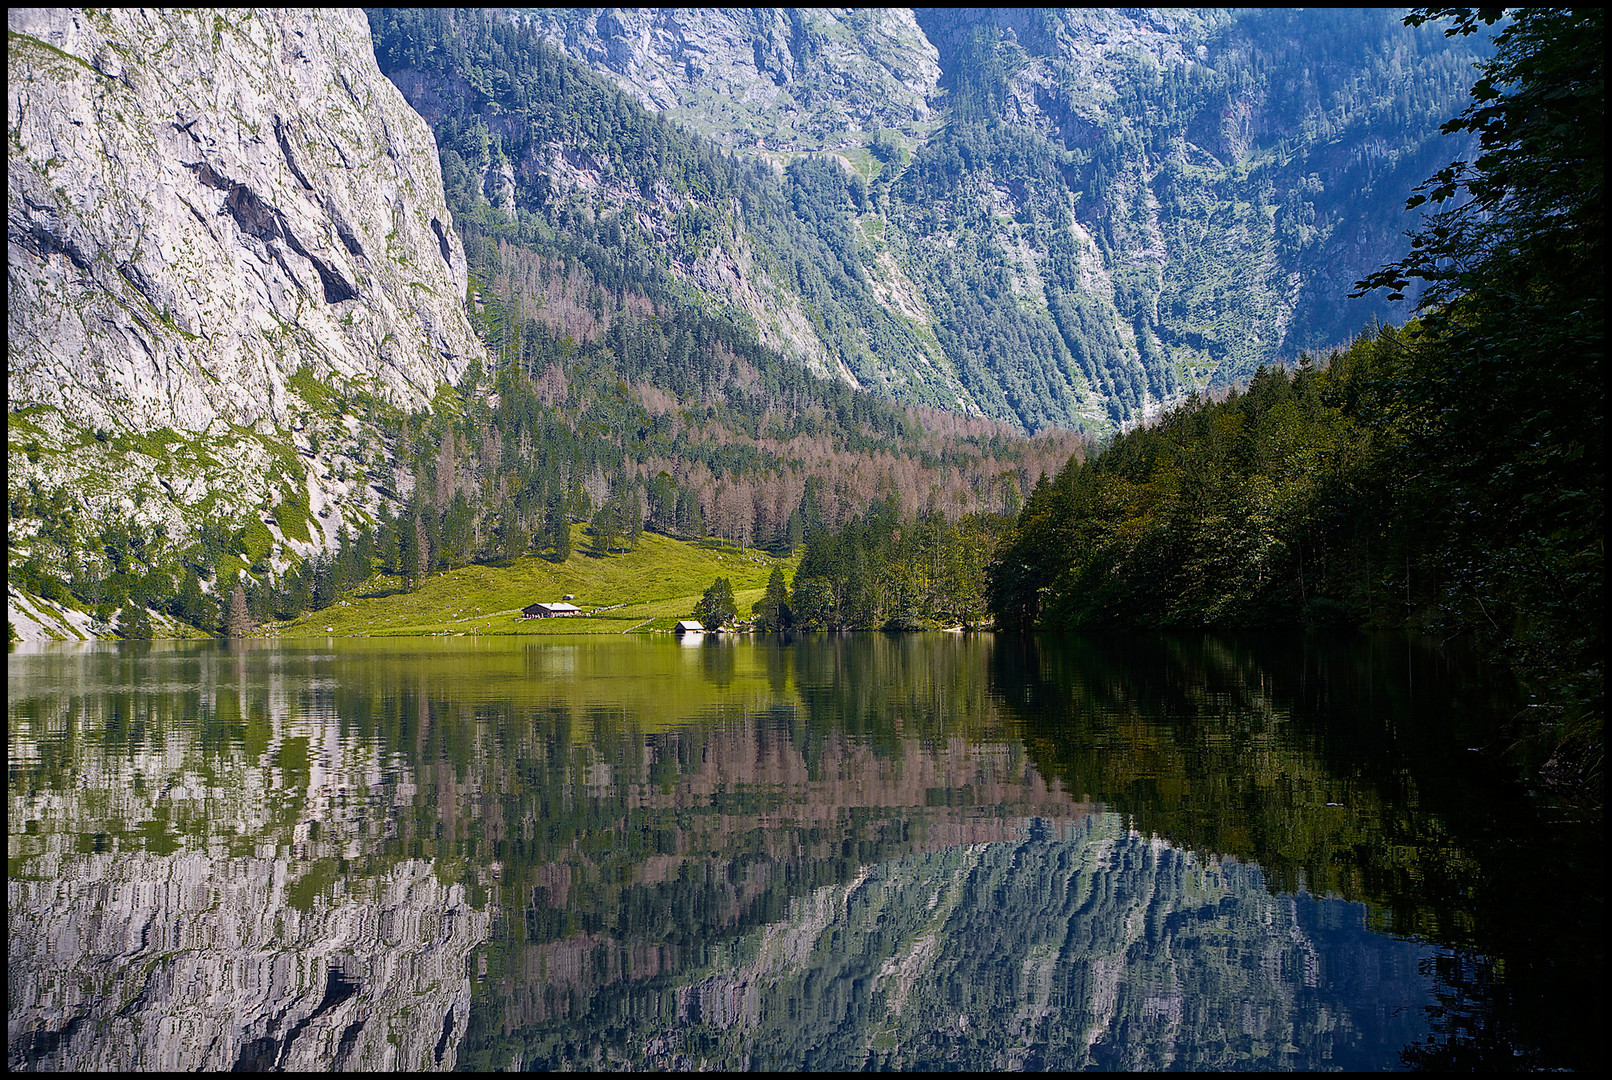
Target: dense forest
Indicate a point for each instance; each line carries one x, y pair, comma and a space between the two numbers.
1447, 476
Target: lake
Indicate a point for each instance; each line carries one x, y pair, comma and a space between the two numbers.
838, 852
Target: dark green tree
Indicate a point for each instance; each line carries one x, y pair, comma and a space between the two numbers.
690, 517
606, 527
559, 530
193, 605
772, 610
458, 531
322, 592
511, 538
632, 516
717, 608
1502, 397
134, 622
794, 531
813, 602
409, 543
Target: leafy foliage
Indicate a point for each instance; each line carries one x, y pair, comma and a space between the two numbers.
1504, 393
717, 608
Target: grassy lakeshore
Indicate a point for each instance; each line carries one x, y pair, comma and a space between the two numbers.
649, 588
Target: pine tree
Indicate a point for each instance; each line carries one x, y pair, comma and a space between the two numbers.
813, 602
634, 523
238, 623
134, 622
560, 532
772, 611
193, 605
386, 541
606, 527
410, 559
795, 530
323, 591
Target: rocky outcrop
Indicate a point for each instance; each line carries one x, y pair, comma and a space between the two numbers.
227, 246
762, 78
199, 204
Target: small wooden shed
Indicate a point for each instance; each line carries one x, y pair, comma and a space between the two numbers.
549, 611
688, 626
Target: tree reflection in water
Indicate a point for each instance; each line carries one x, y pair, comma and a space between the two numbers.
835, 852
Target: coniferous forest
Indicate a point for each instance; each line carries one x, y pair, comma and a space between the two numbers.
1444, 476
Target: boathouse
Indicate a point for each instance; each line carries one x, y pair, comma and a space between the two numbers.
555, 610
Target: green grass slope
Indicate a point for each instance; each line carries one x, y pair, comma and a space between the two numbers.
649, 588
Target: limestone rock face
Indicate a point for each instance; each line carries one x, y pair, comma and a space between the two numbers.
201, 203
773, 78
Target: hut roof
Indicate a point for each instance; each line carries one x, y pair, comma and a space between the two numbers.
556, 608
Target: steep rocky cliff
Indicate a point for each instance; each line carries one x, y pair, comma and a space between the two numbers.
214, 217
200, 204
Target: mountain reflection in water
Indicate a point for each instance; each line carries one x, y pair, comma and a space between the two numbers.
836, 853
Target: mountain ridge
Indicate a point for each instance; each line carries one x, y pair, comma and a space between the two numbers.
1169, 205
212, 217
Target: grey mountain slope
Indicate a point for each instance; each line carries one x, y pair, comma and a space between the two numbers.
1219, 178
200, 206
764, 79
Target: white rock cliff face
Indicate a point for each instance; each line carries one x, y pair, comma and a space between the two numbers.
201, 203
773, 78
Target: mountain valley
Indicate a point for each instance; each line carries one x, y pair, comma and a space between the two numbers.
905, 239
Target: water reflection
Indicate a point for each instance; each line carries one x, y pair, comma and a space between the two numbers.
1073, 945
862, 851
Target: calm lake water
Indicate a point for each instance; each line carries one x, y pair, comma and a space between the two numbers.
924, 851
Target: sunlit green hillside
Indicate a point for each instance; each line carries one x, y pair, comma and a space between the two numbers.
648, 588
